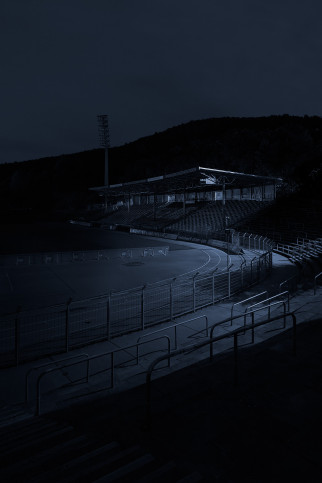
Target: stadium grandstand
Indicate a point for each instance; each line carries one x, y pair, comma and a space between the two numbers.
198, 200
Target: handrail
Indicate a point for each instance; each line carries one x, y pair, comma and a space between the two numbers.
228, 319
315, 280
272, 298
35, 368
283, 302
246, 300
175, 328
302, 249
266, 307
252, 314
288, 280
49, 371
210, 341
96, 356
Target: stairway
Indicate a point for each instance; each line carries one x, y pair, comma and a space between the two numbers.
42, 449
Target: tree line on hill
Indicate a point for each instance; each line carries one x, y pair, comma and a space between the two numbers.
285, 146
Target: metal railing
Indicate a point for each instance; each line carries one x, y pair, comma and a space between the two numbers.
174, 326
251, 314
290, 283
302, 250
139, 343
274, 297
58, 258
32, 334
245, 300
92, 358
47, 364
210, 342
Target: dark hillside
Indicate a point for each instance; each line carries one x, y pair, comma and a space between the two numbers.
286, 146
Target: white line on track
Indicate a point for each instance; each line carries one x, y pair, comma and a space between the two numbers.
198, 268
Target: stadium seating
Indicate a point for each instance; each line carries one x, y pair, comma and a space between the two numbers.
286, 220
212, 217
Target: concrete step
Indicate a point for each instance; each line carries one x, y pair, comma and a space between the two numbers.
128, 470
194, 477
98, 464
160, 474
34, 464
24, 431
78, 463
14, 413
30, 445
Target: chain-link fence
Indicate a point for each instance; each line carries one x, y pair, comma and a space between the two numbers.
58, 258
33, 334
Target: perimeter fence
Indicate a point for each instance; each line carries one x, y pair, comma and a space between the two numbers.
28, 335
58, 258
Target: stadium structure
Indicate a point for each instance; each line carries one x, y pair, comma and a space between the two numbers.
199, 205
198, 200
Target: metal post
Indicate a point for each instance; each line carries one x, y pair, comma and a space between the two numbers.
108, 317
227, 231
87, 370
142, 307
253, 323
171, 298
264, 242
294, 334
235, 360
194, 291
244, 235
67, 325
37, 412
148, 402
255, 237
251, 268
137, 353
112, 370
228, 282
17, 335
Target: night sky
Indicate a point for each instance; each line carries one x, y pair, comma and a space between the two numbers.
149, 65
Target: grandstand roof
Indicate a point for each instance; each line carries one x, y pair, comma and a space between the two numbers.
194, 179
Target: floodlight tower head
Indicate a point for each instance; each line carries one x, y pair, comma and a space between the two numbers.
104, 137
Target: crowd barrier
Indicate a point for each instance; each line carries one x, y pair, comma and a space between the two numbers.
28, 335
58, 258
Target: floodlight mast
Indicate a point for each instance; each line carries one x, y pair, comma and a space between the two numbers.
104, 137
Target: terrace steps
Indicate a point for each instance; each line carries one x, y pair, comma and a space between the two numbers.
49, 450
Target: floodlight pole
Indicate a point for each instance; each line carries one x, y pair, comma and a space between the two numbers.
104, 137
